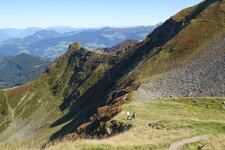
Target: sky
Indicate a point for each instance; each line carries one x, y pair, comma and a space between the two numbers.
88, 13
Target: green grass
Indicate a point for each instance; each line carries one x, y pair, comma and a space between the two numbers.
34, 107
213, 143
85, 146
182, 14
32, 116
200, 33
3, 109
187, 113
171, 120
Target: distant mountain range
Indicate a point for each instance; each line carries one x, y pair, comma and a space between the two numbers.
17, 70
8, 33
50, 44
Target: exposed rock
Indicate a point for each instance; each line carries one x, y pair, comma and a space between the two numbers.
191, 78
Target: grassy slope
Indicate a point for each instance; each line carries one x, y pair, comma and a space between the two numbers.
34, 107
31, 111
214, 143
171, 120
198, 33
177, 43
180, 39
3, 108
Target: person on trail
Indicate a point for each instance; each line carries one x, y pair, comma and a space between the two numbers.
133, 116
108, 130
128, 115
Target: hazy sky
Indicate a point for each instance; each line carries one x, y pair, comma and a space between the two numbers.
87, 13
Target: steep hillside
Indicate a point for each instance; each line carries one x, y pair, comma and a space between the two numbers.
17, 70
81, 94
191, 62
52, 101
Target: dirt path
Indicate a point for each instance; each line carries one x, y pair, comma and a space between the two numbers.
22, 99
178, 145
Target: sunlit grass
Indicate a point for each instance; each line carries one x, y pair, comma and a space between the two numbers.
171, 120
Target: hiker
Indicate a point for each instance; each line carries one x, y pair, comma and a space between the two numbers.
128, 115
108, 130
133, 116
